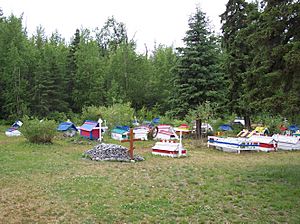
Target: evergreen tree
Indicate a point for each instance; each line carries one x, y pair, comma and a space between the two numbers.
89, 77
127, 78
56, 58
277, 58
13, 93
198, 78
163, 61
42, 75
236, 28
72, 70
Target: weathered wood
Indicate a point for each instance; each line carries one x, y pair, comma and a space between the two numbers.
131, 140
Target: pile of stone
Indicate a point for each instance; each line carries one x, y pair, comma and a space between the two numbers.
110, 152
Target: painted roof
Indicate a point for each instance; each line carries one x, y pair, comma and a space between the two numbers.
293, 127
17, 124
156, 120
64, 126
126, 128
89, 125
165, 132
164, 126
225, 127
119, 131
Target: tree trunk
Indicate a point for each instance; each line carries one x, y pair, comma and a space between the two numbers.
198, 129
247, 122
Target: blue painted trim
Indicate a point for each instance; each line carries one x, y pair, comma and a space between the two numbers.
235, 144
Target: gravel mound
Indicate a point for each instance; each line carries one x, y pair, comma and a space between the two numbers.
110, 152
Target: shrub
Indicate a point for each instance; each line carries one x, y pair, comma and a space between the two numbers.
37, 131
57, 116
174, 122
92, 113
117, 114
271, 122
145, 114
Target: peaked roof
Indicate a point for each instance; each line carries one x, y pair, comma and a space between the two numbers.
89, 125
64, 126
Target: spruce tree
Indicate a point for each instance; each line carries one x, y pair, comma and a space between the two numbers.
277, 58
236, 27
163, 61
13, 91
90, 68
72, 70
197, 73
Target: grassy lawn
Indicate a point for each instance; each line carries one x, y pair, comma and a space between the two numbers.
53, 184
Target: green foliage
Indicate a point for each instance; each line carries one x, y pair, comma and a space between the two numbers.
146, 114
117, 114
198, 77
5, 122
163, 61
13, 73
204, 111
170, 120
42, 75
36, 131
237, 21
91, 113
111, 35
90, 71
271, 122
57, 116
215, 123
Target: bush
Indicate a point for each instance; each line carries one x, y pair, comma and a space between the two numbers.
37, 131
271, 122
57, 116
92, 113
145, 114
5, 122
172, 121
117, 114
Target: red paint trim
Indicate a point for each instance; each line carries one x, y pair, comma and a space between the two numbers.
266, 145
168, 152
165, 132
164, 126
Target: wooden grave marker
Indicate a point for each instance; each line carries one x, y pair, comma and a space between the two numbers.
131, 140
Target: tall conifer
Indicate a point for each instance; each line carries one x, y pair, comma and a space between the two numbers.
198, 78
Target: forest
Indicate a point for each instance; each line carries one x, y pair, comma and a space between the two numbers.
252, 68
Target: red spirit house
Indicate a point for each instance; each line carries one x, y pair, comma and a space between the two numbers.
90, 130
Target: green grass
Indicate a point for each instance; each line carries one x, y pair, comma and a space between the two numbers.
54, 184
